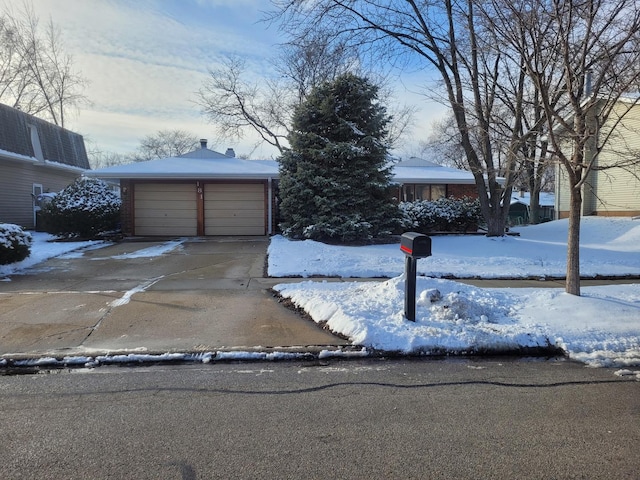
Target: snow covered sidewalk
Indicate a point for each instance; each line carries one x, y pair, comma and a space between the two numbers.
600, 328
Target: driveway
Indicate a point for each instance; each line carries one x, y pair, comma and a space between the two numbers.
205, 294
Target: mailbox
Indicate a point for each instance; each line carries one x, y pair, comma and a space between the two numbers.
415, 244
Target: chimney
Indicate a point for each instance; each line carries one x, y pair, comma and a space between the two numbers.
230, 152
203, 143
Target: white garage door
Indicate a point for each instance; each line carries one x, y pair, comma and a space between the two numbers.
166, 209
234, 209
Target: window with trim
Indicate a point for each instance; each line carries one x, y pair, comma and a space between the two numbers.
418, 191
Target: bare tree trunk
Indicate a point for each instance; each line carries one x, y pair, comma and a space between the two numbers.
572, 285
534, 207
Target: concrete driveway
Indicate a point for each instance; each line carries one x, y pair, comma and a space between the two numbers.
205, 294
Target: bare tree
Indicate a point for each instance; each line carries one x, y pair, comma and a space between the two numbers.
591, 50
101, 158
442, 146
164, 144
477, 79
36, 75
234, 104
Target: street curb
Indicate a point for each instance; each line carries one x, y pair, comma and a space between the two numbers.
32, 364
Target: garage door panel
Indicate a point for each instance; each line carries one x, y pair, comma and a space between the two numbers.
236, 214
235, 230
166, 221
228, 221
234, 209
166, 209
154, 196
234, 196
234, 205
165, 187
165, 205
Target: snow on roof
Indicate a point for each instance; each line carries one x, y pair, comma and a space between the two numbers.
202, 163
416, 170
546, 199
417, 162
5, 154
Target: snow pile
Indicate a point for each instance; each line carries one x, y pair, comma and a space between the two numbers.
600, 328
44, 247
452, 318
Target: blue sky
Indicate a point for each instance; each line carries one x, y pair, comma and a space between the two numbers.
145, 59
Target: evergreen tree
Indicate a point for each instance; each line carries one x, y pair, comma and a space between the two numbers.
334, 180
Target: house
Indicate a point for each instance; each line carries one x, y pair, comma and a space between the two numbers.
204, 192
35, 157
420, 179
200, 193
611, 191
520, 213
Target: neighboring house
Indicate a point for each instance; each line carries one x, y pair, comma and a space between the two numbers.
613, 191
520, 213
420, 179
204, 192
36, 157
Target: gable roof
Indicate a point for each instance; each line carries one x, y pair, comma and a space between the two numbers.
25, 137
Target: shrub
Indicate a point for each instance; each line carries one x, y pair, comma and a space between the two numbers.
15, 244
442, 215
84, 209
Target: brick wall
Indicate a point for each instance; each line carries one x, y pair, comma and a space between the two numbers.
459, 191
126, 212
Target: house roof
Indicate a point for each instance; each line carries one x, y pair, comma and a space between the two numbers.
24, 137
202, 163
417, 170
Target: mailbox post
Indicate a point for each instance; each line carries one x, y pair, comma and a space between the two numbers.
415, 246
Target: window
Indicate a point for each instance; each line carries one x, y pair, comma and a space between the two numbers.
412, 192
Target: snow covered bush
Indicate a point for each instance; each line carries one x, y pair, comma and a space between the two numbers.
15, 244
84, 209
442, 215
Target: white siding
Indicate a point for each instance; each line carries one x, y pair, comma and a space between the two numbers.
617, 190
16, 186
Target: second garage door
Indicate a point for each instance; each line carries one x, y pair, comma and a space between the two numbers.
234, 209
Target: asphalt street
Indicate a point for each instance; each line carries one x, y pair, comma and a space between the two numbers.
374, 419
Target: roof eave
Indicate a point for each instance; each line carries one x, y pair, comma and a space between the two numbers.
164, 176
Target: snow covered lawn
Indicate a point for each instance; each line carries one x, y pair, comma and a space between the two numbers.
600, 328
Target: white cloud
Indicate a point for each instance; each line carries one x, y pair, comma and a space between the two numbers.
145, 59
